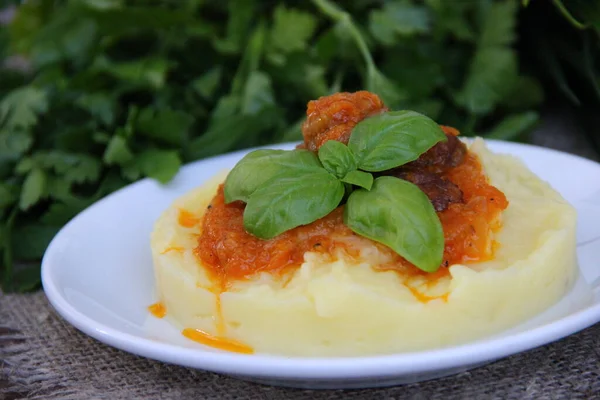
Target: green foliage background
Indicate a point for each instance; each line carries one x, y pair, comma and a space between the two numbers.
96, 94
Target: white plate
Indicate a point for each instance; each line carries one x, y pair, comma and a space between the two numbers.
97, 273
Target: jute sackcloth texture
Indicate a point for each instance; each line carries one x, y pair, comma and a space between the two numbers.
43, 357
49, 359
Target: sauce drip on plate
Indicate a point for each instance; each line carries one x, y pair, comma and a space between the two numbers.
158, 310
217, 342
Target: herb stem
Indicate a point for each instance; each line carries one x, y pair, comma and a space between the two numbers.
561, 7
342, 17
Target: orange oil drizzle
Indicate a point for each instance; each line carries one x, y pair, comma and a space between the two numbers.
187, 219
423, 298
178, 249
220, 321
217, 342
158, 310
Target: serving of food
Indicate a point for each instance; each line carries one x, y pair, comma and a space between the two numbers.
383, 232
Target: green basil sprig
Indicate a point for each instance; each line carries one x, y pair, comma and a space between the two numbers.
285, 189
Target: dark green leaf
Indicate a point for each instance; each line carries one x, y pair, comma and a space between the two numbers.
388, 140
101, 137
60, 213
117, 151
72, 167
131, 171
327, 46
25, 165
13, 144
261, 166
304, 78
135, 19
430, 108
221, 136
382, 27
22, 106
453, 18
230, 129
337, 158
386, 89
86, 169
289, 201
27, 277
258, 93
525, 93
207, 84
241, 13
398, 214
293, 133
7, 195
227, 106
492, 73
513, 126
398, 18
103, 5
291, 29
68, 36
359, 178
99, 105
58, 189
168, 126
416, 71
251, 58
57, 160
555, 70
30, 241
150, 71
161, 165
499, 24
33, 189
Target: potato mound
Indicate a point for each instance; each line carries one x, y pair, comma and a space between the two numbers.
342, 308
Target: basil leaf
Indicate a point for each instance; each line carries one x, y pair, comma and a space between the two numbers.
337, 158
260, 166
388, 140
290, 201
359, 178
398, 214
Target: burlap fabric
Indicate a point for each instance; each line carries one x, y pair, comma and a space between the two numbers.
43, 357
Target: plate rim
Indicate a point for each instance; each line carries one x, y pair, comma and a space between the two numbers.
424, 361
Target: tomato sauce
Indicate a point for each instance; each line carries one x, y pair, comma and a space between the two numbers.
230, 253
187, 219
158, 310
216, 342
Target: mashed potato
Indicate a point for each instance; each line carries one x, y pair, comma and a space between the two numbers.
343, 308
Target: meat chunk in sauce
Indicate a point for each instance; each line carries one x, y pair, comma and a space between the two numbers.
426, 171
440, 190
443, 155
333, 117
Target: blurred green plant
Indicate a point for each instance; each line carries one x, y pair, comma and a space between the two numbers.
565, 49
106, 92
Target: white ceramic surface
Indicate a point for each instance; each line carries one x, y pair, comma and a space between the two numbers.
97, 273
